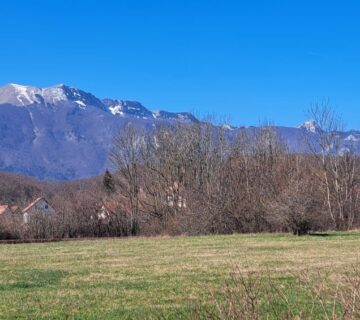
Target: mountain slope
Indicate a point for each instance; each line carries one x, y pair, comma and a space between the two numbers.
62, 133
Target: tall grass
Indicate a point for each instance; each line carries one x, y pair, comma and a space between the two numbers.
306, 295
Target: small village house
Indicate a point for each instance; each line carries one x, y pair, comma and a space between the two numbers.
5, 210
173, 197
39, 206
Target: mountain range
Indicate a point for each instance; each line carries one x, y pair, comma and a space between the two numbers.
63, 133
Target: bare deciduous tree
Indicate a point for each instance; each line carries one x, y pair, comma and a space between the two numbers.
126, 157
337, 167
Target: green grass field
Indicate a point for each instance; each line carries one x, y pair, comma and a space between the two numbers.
146, 277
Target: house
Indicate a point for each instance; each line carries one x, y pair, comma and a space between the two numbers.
104, 212
39, 206
173, 197
5, 210
110, 208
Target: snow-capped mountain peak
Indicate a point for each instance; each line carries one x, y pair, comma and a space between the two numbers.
228, 127
310, 125
352, 138
60, 94
79, 97
21, 88
21, 96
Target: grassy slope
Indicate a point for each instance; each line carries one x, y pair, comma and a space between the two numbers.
136, 278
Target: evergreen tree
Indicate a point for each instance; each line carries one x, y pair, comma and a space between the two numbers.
108, 182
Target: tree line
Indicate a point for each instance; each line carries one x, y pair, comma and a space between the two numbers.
192, 178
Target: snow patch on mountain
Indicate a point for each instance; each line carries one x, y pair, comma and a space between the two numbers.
156, 114
116, 110
227, 127
54, 94
352, 138
81, 104
24, 95
310, 125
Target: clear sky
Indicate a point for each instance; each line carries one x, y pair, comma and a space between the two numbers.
248, 61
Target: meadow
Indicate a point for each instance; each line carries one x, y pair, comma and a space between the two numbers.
143, 278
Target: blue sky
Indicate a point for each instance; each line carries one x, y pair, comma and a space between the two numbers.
245, 61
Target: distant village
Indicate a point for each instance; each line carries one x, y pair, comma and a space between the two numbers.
103, 211
38, 206
41, 206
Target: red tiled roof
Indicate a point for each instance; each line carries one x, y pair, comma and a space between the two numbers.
3, 208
